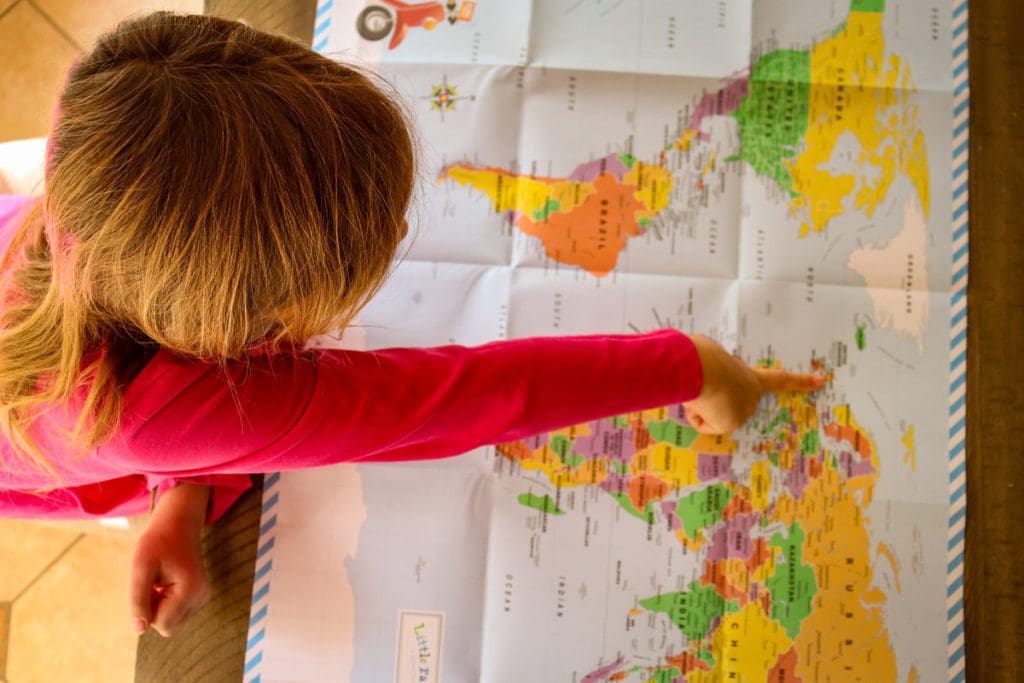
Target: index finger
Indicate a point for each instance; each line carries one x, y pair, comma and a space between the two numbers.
783, 380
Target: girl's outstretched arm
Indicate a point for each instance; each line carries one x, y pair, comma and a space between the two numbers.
286, 412
290, 412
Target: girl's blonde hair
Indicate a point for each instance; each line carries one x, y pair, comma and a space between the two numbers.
209, 188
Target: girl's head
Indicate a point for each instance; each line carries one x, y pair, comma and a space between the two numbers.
209, 188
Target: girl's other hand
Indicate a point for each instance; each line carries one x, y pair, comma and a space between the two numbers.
733, 389
167, 582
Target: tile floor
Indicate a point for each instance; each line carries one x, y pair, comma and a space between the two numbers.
38, 41
63, 614
63, 603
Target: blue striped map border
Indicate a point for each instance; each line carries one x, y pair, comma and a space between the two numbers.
261, 580
958, 352
957, 383
321, 24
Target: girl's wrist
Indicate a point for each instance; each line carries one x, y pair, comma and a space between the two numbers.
708, 352
184, 502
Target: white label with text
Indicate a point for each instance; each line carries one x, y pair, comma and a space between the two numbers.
419, 647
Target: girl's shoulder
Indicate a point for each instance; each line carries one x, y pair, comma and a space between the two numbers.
12, 208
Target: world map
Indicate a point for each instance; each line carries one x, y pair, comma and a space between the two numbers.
774, 175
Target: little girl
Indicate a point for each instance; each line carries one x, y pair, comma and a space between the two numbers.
215, 196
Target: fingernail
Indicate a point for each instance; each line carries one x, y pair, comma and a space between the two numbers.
139, 625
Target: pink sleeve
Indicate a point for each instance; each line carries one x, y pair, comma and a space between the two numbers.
289, 412
225, 490
124, 496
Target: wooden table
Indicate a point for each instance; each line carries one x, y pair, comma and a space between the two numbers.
993, 582
213, 648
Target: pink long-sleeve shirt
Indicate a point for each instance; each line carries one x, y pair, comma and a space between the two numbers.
185, 420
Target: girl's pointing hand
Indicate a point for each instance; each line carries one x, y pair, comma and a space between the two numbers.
733, 389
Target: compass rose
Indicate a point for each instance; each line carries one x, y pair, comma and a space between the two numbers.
444, 96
